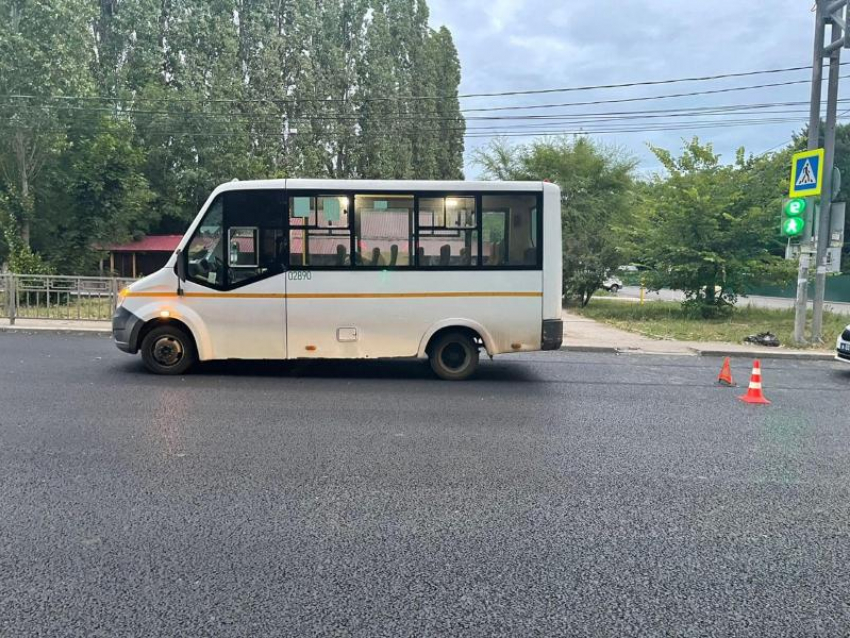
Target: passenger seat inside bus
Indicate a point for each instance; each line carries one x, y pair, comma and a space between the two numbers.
495, 254
341, 254
393, 254
445, 254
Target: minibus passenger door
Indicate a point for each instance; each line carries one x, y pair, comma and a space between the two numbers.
235, 279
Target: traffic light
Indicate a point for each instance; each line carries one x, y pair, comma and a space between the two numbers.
793, 219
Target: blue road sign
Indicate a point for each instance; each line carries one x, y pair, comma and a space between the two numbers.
806, 174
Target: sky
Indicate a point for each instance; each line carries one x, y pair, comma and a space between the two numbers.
507, 45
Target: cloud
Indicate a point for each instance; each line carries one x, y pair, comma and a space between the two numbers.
527, 44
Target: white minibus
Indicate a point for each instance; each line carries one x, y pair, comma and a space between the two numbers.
351, 269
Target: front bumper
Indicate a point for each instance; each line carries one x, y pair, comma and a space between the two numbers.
553, 334
842, 356
125, 330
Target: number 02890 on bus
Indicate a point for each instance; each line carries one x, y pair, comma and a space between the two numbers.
330, 269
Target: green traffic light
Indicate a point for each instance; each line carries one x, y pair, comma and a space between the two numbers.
795, 207
793, 226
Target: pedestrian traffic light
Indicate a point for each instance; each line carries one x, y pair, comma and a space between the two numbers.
793, 226
795, 207
793, 221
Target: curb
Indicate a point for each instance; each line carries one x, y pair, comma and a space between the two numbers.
697, 352
56, 330
600, 349
758, 354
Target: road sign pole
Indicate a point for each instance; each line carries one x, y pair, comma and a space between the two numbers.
814, 142
826, 194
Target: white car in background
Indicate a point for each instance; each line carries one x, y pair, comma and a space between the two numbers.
843, 346
612, 284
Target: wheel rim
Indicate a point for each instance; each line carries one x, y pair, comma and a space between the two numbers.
167, 351
454, 356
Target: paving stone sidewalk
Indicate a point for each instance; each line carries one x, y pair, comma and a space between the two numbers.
586, 335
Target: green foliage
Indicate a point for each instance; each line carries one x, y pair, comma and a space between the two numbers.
104, 194
709, 229
596, 200
18, 257
198, 92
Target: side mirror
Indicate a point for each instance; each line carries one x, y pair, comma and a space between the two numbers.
181, 266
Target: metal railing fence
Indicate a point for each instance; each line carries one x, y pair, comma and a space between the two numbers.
59, 297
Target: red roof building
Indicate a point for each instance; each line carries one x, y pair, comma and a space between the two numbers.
138, 258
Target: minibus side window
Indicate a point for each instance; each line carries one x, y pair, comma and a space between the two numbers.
254, 221
448, 232
206, 248
239, 240
319, 234
509, 227
383, 226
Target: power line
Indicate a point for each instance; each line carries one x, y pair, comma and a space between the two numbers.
507, 132
187, 116
668, 96
703, 78
470, 118
358, 100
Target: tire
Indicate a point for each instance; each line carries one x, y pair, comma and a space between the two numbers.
615, 289
168, 349
454, 356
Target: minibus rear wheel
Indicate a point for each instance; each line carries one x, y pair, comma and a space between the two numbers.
168, 349
454, 356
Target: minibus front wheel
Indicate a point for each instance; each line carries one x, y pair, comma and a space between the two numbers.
168, 349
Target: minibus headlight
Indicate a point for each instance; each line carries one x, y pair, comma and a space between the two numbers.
122, 295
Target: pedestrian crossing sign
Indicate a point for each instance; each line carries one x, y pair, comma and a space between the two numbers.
806, 174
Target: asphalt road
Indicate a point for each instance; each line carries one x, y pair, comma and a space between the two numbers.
556, 495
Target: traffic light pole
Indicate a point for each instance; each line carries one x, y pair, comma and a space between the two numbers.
826, 195
834, 12
801, 303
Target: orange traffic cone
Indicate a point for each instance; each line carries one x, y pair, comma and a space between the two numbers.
725, 377
754, 394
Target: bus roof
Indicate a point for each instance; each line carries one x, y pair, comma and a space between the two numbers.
401, 186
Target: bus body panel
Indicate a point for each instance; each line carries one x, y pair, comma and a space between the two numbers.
248, 323
350, 314
552, 254
403, 186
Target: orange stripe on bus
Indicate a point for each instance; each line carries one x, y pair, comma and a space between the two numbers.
336, 295
406, 295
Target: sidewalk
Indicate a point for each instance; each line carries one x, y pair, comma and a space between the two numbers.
55, 325
585, 335
580, 335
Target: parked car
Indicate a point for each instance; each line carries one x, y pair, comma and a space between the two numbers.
843, 346
612, 284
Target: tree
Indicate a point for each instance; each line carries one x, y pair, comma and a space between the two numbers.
45, 48
204, 91
101, 195
17, 256
596, 200
704, 231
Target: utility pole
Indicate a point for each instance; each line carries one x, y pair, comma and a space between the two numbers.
833, 12
839, 35
801, 304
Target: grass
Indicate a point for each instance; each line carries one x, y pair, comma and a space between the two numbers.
61, 307
665, 320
